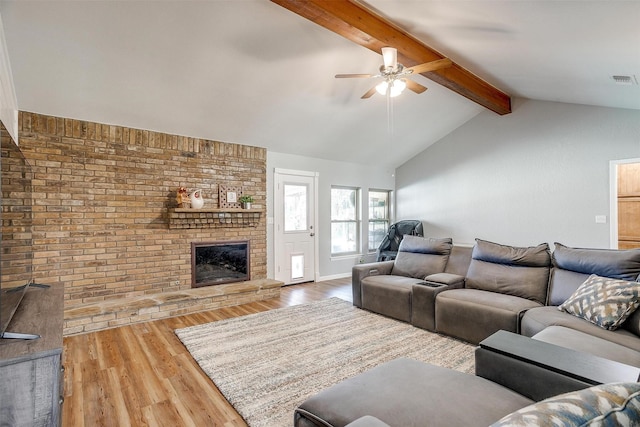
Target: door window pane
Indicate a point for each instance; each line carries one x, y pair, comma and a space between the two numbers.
295, 207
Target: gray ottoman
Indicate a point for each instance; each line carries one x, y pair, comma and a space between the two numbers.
409, 393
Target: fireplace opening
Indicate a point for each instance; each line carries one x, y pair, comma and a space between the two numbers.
214, 263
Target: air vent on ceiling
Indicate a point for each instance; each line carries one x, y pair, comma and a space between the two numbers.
625, 80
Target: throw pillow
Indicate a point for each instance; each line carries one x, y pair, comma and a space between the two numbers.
604, 301
603, 405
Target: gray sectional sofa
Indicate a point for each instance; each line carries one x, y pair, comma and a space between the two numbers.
493, 287
507, 299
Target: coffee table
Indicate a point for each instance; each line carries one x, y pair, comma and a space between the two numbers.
538, 370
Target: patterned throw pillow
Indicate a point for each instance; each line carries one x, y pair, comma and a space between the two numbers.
604, 301
605, 405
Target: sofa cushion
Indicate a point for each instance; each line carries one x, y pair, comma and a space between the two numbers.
459, 260
421, 256
388, 295
603, 405
537, 319
572, 266
618, 264
474, 314
518, 271
586, 343
562, 284
604, 301
633, 323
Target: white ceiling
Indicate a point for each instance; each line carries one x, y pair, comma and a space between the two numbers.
252, 72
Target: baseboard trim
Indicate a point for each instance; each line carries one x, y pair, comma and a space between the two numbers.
334, 276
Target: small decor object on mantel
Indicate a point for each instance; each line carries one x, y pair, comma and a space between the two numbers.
197, 202
246, 201
181, 197
229, 196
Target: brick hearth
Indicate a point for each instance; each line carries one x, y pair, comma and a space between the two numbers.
117, 312
102, 197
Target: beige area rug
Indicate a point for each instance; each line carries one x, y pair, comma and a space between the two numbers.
266, 364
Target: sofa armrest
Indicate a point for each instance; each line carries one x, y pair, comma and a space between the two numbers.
423, 299
361, 271
453, 280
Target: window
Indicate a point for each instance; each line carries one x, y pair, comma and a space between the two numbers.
344, 220
378, 217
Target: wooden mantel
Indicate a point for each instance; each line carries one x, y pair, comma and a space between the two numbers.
209, 218
354, 21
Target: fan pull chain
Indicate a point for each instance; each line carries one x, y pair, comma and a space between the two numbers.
390, 116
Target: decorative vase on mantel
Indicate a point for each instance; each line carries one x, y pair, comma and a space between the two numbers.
197, 202
246, 202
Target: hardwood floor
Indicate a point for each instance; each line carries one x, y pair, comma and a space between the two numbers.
142, 375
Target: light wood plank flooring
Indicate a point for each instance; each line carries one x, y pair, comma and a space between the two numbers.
142, 375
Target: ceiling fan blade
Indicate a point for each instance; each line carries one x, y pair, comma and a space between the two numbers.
354, 76
390, 57
430, 66
415, 87
369, 93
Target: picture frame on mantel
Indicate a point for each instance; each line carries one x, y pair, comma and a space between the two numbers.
228, 196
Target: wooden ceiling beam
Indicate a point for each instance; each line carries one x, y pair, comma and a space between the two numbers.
361, 25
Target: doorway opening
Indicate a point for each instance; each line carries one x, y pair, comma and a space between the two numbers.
625, 203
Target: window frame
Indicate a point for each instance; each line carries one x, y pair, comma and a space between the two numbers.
370, 220
357, 221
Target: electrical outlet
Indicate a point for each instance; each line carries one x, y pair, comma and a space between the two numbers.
601, 219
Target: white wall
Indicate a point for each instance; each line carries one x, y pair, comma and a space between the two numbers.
540, 174
8, 102
330, 173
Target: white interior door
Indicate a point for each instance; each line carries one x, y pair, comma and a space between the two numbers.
295, 226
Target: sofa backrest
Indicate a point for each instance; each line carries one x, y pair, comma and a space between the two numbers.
572, 266
421, 256
511, 270
459, 260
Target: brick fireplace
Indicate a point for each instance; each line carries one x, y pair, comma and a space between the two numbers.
106, 224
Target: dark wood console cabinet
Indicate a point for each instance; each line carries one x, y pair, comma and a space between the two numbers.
31, 371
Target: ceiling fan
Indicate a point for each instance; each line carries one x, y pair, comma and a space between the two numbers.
394, 74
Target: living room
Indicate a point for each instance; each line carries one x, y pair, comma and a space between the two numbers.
107, 173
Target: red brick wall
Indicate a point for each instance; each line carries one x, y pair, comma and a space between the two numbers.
101, 195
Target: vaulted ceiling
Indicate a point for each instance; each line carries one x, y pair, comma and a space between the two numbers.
254, 72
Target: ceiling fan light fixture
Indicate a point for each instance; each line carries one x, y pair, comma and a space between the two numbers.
390, 57
395, 87
398, 86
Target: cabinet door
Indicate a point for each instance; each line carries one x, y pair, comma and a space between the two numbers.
30, 392
629, 205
